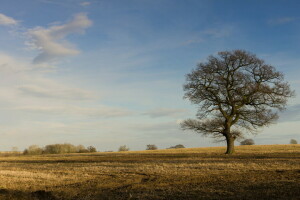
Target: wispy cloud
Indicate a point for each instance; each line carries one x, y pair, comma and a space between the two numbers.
282, 20
292, 113
85, 3
51, 41
202, 36
21, 85
218, 32
58, 92
6, 21
192, 41
71, 110
165, 112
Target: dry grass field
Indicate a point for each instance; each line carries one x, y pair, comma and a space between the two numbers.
254, 172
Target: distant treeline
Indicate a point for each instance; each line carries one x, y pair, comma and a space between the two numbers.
58, 149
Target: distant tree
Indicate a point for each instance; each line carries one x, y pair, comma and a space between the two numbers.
123, 148
91, 149
178, 146
80, 149
247, 142
151, 147
69, 148
235, 91
33, 150
293, 141
25, 152
59, 148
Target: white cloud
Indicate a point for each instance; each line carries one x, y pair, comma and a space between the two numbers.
192, 41
291, 114
85, 3
210, 33
165, 112
71, 110
55, 91
5, 20
218, 32
51, 41
22, 86
282, 20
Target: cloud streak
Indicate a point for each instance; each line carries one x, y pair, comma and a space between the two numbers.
165, 112
52, 43
292, 113
85, 3
71, 110
7, 21
282, 20
55, 92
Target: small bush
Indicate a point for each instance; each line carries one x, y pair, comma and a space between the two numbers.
178, 146
151, 147
293, 141
123, 148
247, 142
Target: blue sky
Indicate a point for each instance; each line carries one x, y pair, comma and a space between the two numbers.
109, 73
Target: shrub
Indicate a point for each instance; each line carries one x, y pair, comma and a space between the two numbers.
178, 146
293, 141
247, 142
123, 148
33, 150
151, 147
91, 149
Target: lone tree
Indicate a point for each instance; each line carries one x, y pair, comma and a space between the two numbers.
151, 147
247, 142
236, 92
123, 148
293, 141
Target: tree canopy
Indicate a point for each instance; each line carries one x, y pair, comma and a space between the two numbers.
236, 93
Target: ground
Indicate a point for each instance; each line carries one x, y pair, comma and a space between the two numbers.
254, 172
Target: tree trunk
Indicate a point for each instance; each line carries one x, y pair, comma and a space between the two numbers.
230, 145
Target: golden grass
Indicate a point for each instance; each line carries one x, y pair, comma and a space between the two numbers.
254, 172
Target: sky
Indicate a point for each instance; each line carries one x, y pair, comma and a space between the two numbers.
110, 73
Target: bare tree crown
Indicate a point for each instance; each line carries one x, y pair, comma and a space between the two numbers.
235, 89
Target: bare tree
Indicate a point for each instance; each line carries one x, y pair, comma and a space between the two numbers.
235, 91
123, 148
91, 149
151, 147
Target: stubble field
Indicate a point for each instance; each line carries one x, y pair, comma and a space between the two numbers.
254, 172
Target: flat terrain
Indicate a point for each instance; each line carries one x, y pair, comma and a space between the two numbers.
254, 172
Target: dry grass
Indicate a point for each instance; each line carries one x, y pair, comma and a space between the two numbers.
255, 172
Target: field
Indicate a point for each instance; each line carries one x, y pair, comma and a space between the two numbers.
254, 172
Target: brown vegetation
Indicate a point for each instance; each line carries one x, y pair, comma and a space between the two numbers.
254, 172
58, 149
